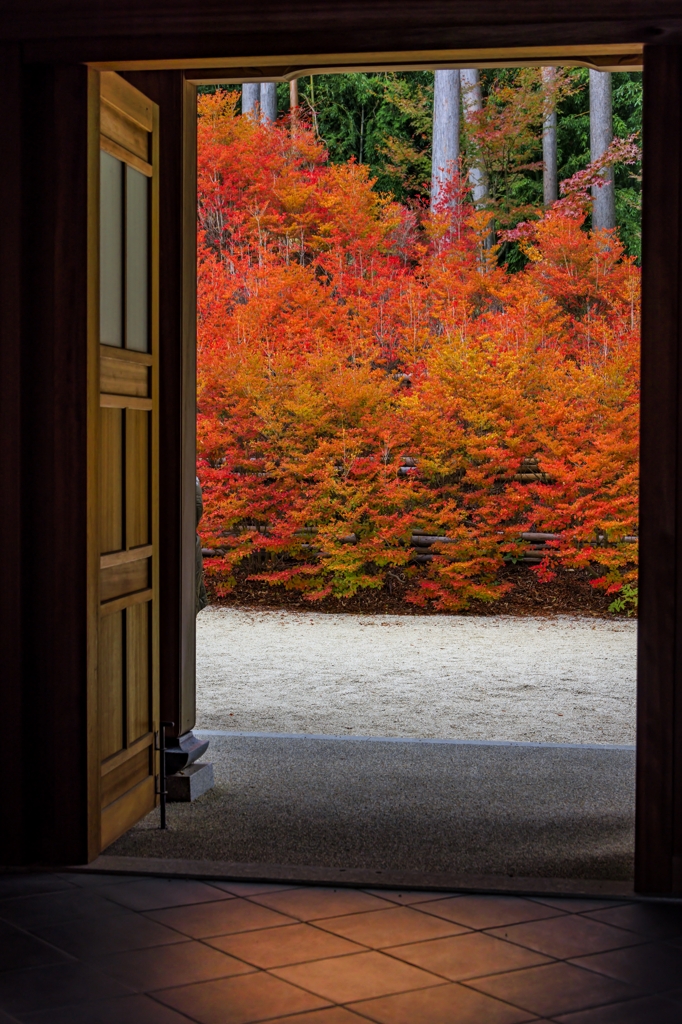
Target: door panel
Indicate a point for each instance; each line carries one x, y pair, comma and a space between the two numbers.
124, 578
122, 814
137, 655
111, 684
127, 775
128, 658
110, 250
111, 480
123, 377
116, 126
137, 477
137, 260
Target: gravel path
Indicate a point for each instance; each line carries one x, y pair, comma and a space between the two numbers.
563, 680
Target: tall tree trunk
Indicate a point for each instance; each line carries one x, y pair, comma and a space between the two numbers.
550, 183
601, 135
472, 102
268, 101
445, 149
250, 98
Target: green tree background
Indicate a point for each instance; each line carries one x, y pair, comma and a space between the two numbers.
383, 119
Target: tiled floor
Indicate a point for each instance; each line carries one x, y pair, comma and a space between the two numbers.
104, 949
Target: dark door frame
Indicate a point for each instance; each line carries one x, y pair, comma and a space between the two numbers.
44, 318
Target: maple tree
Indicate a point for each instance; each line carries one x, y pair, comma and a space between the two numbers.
368, 370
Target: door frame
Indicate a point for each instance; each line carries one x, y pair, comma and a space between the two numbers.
284, 68
47, 451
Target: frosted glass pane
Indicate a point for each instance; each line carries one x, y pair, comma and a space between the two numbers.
111, 250
137, 261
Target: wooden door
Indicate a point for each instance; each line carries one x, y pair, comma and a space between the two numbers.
128, 455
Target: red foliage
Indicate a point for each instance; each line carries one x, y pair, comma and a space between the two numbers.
363, 375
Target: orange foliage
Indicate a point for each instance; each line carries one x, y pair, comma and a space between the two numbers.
363, 375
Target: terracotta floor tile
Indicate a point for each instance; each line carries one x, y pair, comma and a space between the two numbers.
489, 911
447, 1004
127, 1010
379, 928
12, 886
89, 937
467, 956
567, 936
653, 967
18, 949
575, 905
406, 897
253, 997
250, 888
42, 988
334, 1015
206, 919
93, 879
156, 893
650, 920
35, 911
279, 947
310, 903
145, 970
554, 989
360, 976
650, 1010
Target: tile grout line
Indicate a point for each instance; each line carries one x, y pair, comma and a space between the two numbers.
442, 978
466, 983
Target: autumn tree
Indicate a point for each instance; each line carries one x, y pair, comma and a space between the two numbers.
367, 373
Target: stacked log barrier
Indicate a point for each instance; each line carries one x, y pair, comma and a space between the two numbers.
535, 553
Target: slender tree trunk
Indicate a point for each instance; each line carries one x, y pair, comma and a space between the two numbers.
268, 101
601, 135
362, 133
550, 183
293, 93
472, 102
311, 103
250, 98
445, 149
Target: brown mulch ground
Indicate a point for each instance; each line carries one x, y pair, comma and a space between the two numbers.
570, 593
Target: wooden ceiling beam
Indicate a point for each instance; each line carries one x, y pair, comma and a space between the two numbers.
435, 20
243, 72
352, 43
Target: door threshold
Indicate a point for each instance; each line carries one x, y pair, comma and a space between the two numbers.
365, 878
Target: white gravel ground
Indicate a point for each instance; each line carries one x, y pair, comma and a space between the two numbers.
562, 680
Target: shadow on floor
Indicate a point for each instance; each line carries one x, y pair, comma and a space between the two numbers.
431, 807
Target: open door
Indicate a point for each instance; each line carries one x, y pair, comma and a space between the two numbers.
128, 656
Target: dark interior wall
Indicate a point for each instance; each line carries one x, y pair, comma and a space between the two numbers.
11, 532
659, 711
49, 589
